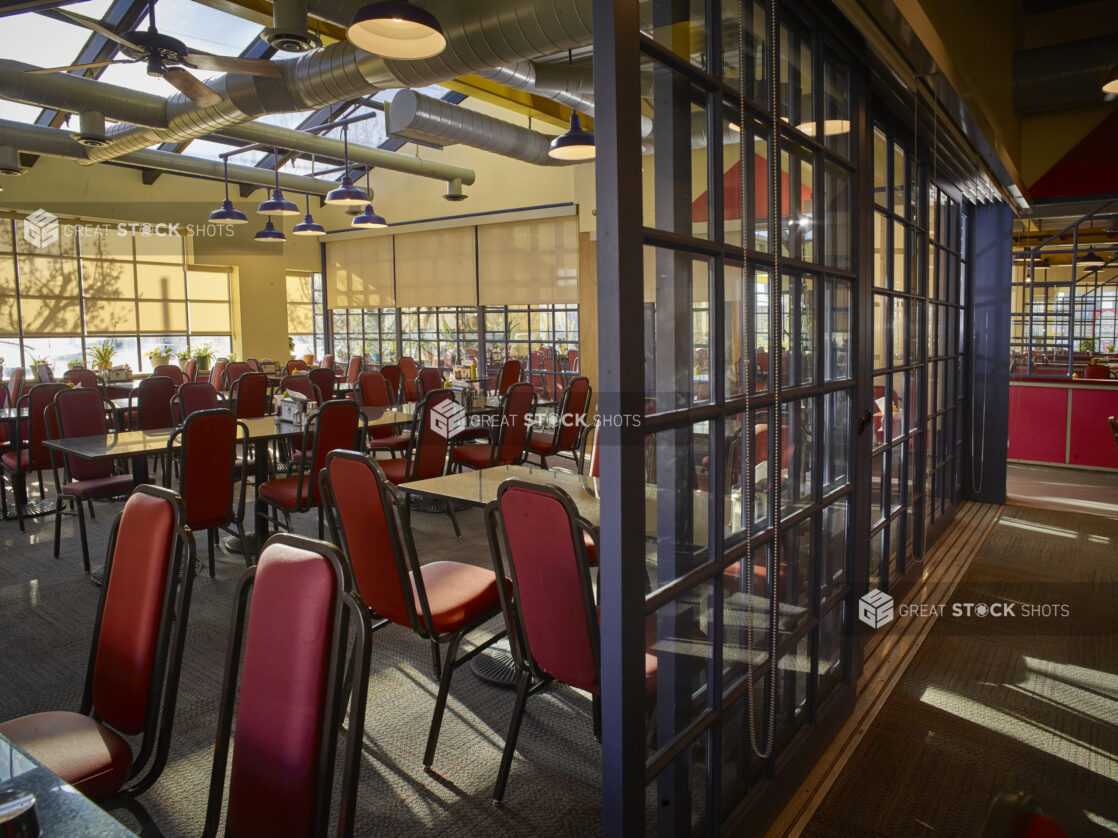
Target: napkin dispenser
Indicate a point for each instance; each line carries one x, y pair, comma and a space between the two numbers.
293, 408
116, 375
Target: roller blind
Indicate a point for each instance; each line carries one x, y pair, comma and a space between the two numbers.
528, 262
436, 268
359, 273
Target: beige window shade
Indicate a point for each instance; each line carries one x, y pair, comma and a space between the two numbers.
209, 318
208, 283
9, 317
528, 262
160, 282
110, 316
52, 316
359, 273
112, 280
111, 245
436, 268
153, 248
48, 276
299, 319
7, 274
299, 288
162, 317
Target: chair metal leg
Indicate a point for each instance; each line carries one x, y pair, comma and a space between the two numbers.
57, 526
543, 461
42, 488
92, 514
20, 492
211, 537
453, 518
523, 679
321, 525
250, 559
436, 658
81, 530
440, 702
596, 708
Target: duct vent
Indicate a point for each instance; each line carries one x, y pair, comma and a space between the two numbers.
91, 130
289, 32
9, 161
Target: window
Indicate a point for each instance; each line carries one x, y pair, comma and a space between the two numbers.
304, 312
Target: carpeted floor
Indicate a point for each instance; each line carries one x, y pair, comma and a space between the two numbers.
993, 705
46, 612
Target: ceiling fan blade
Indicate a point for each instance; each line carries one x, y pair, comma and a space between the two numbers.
90, 23
230, 64
89, 66
195, 91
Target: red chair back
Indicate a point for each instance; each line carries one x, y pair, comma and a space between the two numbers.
153, 403
253, 364
327, 362
1096, 371
190, 369
364, 526
516, 407
510, 374
392, 376
335, 425
217, 374
81, 412
409, 376
289, 623
545, 560
194, 396
429, 379
428, 449
171, 371
303, 385
250, 395
372, 390
324, 379
38, 399
294, 365
353, 369
234, 371
81, 377
207, 453
572, 413
15, 386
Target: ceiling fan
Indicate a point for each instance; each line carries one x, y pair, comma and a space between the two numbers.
164, 55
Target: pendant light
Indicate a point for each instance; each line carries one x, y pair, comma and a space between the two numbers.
1090, 259
368, 219
576, 144
1111, 85
396, 29
277, 204
270, 234
308, 226
347, 194
227, 214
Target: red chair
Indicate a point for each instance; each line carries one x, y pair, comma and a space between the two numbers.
15, 386
205, 451
393, 377
171, 371
152, 399
302, 385
233, 372
537, 545
337, 424
1093, 371
409, 378
294, 365
430, 379
190, 370
510, 374
324, 379
253, 364
249, 395
440, 601
192, 397
217, 374
76, 413
81, 377
517, 407
133, 674
353, 369
569, 422
372, 390
327, 362
34, 456
291, 620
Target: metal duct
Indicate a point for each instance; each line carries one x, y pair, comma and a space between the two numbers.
480, 34
523, 76
426, 120
55, 142
1064, 75
69, 92
572, 78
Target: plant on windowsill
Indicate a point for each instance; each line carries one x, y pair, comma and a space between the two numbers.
37, 362
291, 346
102, 354
183, 357
76, 364
204, 355
160, 355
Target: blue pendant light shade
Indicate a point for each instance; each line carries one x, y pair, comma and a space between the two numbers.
576, 144
396, 29
347, 194
308, 226
227, 214
368, 219
270, 234
277, 204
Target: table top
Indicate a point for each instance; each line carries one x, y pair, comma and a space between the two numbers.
60, 808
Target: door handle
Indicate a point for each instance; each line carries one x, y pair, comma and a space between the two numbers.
864, 421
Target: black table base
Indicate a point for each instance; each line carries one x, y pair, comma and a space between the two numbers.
495, 667
33, 509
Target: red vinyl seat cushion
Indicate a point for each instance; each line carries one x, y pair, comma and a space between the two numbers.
100, 487
541, 442
395, 469
17, 460
79, 749
457, 593
477, 456
283, 492
398, 442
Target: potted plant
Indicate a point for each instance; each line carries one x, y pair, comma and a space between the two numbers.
204, 355
291, 346
102, 354
309, 359
37, 362
160, 355
76, 364
183, 357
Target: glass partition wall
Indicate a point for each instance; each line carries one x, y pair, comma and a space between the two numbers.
801, 278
